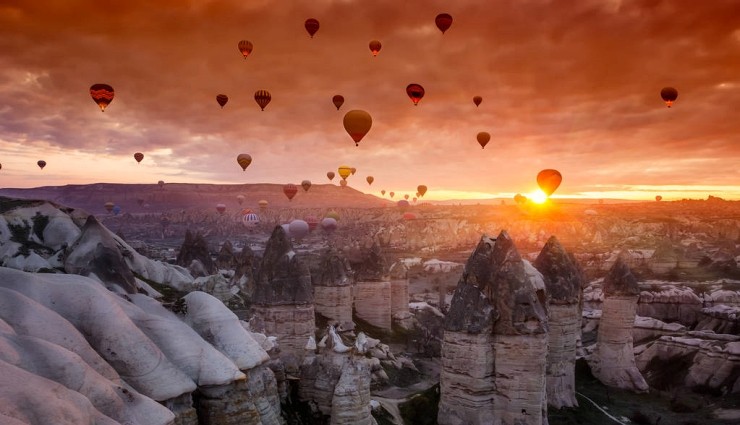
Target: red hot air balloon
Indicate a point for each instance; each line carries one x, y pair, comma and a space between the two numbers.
443, 21
102, 94
391, 194
41, 163
290, 190
330, 175
222, 99
306, 184
245, 46
669, 95
357, 123
263, 98
382, 192
477, 100
549, 180
138, 156
338, 101
483, 139
312, 25
415, 92
375, 47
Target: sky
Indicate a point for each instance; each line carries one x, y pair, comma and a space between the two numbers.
573, 86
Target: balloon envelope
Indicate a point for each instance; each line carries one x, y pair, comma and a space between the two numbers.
343, 183
109, 206
312, 25
240, 199
329, 224
415, 92
338, 101
353, 170
222, 99
421, 189
138, 156
333, 214
306, 184
375, 47
221, 208
357, 123
244, 159
658, 198
290, 190
41, 163
403, 203
298, 229
263, 98
443, 21
263, 204
548, 180
370, 179
483, 138
330, 175
250, 220
669, 95
391, 194
477, 100
116, 209
409, 216
245, 46
382, 192
344, 171
102, 94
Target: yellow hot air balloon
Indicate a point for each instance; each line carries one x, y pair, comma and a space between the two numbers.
357, 123
370, 179
330, 175
244, 160
344, 171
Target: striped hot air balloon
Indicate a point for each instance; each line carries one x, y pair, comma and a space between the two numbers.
263, 98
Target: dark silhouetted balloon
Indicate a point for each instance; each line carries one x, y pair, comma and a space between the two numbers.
415, 92
161, 183
375, 47
138, 156
41, 163
370, 179
312, 25
357, 123
330, 175
222, 99
338, 101
443, 21
245, 46
221, 208
421, 190
477, 100
382, 192
263, 98
658, 198
244, 159
669, 95
102, 94
391, 194
483, 138
353, 170
290, 190
306, 184
549, 180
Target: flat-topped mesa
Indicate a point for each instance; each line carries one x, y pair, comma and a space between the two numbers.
373, 288
613, 360
283, 295
332, 288
563, 281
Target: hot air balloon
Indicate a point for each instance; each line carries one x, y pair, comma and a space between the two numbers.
263, 98
443, 21
403, 203
161, 183
222, 99
306, 184
344, 171
41, 163
370, 179
250, 220
328, 224
338, 101
391, 194
415, 92
240, 199
409, 216
669, 95
658, 198
290, 190
353, 170
422, 189
406, 196
375, 47
343, 183
109, 206
357, 123
312, 25
138, 156
245, 46
298, 229
549, 180
313, 222
519, 198
483, 138
1, 166
244, 159
382, 192
263, 204
477, 100
330, 175
417, 194
221, 208
102, 94
333, 214
116, 209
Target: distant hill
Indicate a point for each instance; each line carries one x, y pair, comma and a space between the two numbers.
150, 198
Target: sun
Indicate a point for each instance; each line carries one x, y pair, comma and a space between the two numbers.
538, 197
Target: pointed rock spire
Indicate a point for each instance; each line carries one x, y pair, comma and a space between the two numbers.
283, 278
563, 279
620, 280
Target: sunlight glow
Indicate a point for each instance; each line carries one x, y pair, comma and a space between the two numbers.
538, 197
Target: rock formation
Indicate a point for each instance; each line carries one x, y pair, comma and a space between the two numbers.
399, 275
495, 342
332, 289
226, 260
194, 247
372, 291
563, 281
613, 360
283, 295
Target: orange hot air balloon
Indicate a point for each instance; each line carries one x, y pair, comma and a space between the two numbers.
658, 198
338, 101
344, 171
357, 123
483, 138
370, 179
548, 180
669, 95
391, 194
421, 189
353, 170
330, 175
222, 99
312, 25
245, 46
290, 190
263, 98
244, 159
477, 100
138, 156
306, 184
443, 21
382, 192
102, 94
41, 163
415, 92
343, 183
406, 196
375, 47
109, 206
